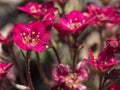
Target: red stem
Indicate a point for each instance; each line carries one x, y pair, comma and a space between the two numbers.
74, 59
28, 74
101, 40
57, 55
100, 79
22, 78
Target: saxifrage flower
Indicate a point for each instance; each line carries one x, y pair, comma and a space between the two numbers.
4, 67
31, 36
104, 61
38, 10
62, 75
74, 22
3, 40
106, 14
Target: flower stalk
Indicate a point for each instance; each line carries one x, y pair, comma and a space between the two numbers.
41, 72
74, 59
57, 55
28, 75
22, 78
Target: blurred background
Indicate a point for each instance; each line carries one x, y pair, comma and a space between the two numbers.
10, 15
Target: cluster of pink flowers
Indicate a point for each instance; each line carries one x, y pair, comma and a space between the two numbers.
108, 15
67, 80
36, 36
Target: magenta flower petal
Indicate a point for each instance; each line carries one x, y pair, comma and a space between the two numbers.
4, 40
82, 70
18, 29
48, 5
93, 9
49, 19
4, 67
59, 74
91, 54
92, 62
61, 29
112, 45
76, 14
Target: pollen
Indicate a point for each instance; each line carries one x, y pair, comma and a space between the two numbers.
33, 9
73, 25
72, 80
24, 34
33, 32
31, 39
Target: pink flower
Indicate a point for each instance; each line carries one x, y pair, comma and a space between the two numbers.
4, 40
93, 9
62, 75
4, 67
114, 86
82, 70
110, 26
32, 8
107, 14
37, 10
48, 20
31, 36
112, 45
74, 22
104, 61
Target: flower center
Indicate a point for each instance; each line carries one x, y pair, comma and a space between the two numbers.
33, 9
31, 39
72, 80
73, 25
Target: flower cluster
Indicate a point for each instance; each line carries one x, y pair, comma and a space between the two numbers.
107, 15
103, 15
36, 36
65, 79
